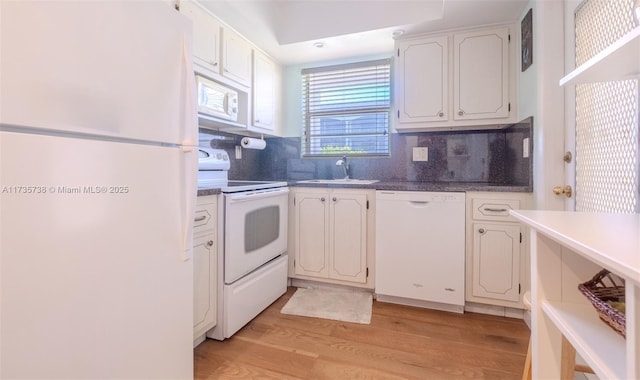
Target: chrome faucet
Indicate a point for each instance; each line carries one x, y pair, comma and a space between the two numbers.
345, 166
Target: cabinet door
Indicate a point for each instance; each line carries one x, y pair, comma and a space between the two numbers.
204, 285
422, 80
206, 36
236, 58
496, 261
481, 74
312, 234
348, 237
263, 91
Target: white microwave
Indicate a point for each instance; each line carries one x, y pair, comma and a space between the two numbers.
217, 100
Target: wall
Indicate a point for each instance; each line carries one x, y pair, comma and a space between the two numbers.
487, 156
541, 96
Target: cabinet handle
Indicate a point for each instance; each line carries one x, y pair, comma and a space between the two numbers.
335, 199
214, 63
210, 243
322, 199
481, 230
441, 114
200, 218
495, 209
461, 112
257, 121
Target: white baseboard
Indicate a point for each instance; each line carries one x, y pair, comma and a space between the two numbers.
501, 311
299, 283
420, 303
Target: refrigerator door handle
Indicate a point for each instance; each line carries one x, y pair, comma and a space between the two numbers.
188, 148
190, 124
189, 180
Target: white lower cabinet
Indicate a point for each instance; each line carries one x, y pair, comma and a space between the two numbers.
204, 267
497, 259
330, 235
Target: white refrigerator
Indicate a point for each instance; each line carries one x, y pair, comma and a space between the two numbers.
98, 166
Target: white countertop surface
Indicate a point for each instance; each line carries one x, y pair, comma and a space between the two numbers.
611, 240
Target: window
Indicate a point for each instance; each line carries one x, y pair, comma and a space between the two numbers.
346, 109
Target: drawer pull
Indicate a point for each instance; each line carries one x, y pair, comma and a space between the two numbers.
200, 218
495, 209
210, 243
481, 230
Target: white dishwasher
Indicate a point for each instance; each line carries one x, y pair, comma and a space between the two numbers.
420, 249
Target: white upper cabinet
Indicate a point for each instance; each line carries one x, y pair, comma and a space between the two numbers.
236, 57
206, 36
481, 74
458, 80
422, 80
221, 54
218, 52
264, 91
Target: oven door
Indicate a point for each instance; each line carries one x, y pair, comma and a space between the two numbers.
255, 230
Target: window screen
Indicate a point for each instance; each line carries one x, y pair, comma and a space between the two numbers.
345, 109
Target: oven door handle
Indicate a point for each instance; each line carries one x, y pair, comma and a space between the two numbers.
254, 195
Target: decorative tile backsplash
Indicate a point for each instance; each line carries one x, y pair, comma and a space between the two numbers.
485, 156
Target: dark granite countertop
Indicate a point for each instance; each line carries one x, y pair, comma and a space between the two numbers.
203, 191
423, 186
403, 186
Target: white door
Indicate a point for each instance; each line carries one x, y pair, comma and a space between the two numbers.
255, 230
204, 285
481, 74
206, 36
113, 68
496, 261
264, 82
422, 80
236, 57
94, 281
348, 237
601, 118
312, 234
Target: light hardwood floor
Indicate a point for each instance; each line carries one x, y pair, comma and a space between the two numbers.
401, 342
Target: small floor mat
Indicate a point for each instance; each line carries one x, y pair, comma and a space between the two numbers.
347, 306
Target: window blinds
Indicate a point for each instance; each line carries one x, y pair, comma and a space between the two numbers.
346, 109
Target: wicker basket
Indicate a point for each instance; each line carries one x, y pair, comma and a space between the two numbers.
603, 287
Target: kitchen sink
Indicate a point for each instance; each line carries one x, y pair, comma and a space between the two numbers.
350, 181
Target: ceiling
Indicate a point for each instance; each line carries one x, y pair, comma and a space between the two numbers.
288, 29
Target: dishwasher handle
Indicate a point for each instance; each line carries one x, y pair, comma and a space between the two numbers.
253, 195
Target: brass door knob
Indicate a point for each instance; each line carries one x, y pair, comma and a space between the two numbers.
567, 191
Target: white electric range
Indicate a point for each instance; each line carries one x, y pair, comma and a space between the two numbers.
252, 256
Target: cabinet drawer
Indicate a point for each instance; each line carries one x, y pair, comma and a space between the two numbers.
203, 219
494, 209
